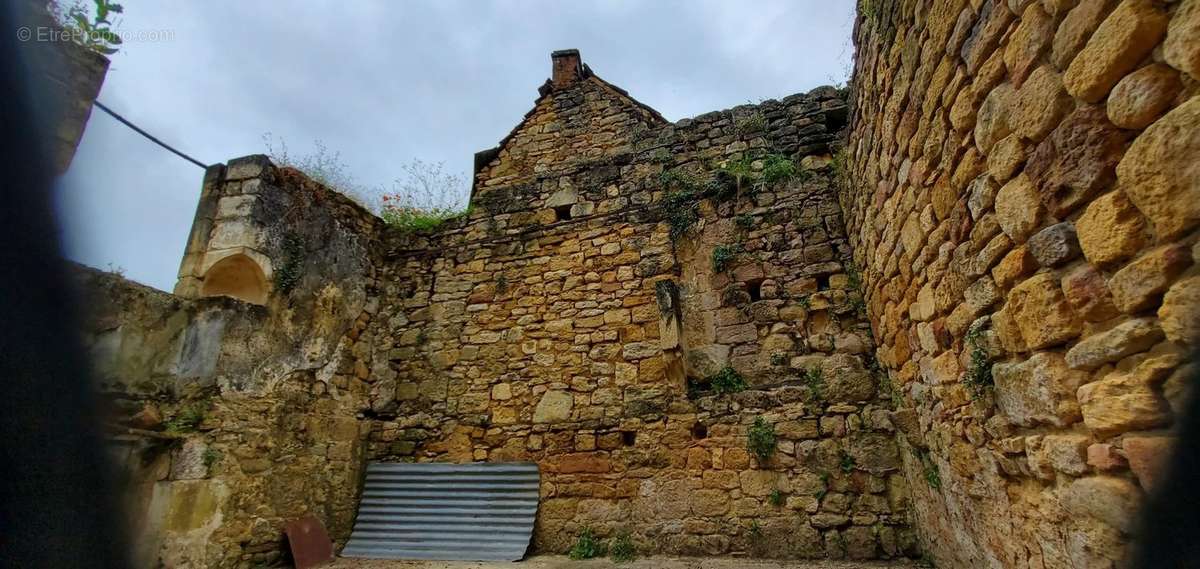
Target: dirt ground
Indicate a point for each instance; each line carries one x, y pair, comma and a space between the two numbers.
561, 562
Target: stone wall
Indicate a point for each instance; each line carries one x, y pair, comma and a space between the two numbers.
1021, 193
231, 418
626, 299
561, 323
67, 81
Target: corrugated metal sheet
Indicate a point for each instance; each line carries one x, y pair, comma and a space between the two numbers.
468, 512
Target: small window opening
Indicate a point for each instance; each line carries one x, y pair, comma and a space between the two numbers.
562, 212
754, 289
822, 282
628, 438
699, 431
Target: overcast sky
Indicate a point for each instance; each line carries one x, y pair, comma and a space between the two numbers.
386, 82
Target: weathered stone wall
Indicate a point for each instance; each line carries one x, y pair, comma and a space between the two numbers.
1022, 197
67, 81
231, 418
560, 323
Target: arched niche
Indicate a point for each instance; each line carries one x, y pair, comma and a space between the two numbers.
238, 276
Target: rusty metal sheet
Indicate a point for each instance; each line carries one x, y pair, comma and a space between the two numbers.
309, 541
465, 512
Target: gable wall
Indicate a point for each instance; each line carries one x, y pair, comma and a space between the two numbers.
516, 336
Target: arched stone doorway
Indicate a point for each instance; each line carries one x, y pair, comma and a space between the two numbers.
237, 276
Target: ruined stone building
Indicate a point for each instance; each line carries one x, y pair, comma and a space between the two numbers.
956, 299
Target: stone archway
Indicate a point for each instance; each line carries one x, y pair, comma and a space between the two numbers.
237, 276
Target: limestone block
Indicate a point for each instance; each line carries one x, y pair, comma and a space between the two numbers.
235, 206
582, 462
1041, 103
981, 195
1138, 285
252, 166
1160, 173
1142, 96
802, 429
562, 197
846, 379
737, 334
1031, 38
1125, 37
1147, 454
911, 234
1181, 49
708, 360
761, 483
582, 209
709, 502
1066, 453
625, 373
1055, 245
1111, 229
1107, 499
1040, 389
985, 36
925, 306
1042, 313
617, 316
1018, 208
1076, 28
1017, 264
1087, 292
383, 394
1126, 400
239, 232
1007, 157
860, 542
554, 407
995, 117
640, 350
1179, 311
502, 391
1104, 457
875, 453
406, 391
1127, 338
1077, 161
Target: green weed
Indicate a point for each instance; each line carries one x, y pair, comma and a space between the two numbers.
622, 549
586, 546
728, 380
761, 439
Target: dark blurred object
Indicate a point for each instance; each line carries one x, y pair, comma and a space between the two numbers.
1169, 533
309, 542
57, 507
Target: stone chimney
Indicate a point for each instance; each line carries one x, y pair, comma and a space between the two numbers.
567, 68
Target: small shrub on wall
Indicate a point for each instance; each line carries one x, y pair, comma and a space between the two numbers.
761, 439
728, 380
724, 255
622, 549
586, 546
978, 379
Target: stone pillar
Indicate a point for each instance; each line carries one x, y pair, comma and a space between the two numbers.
226, 224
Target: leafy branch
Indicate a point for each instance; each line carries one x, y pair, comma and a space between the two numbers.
93, 31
